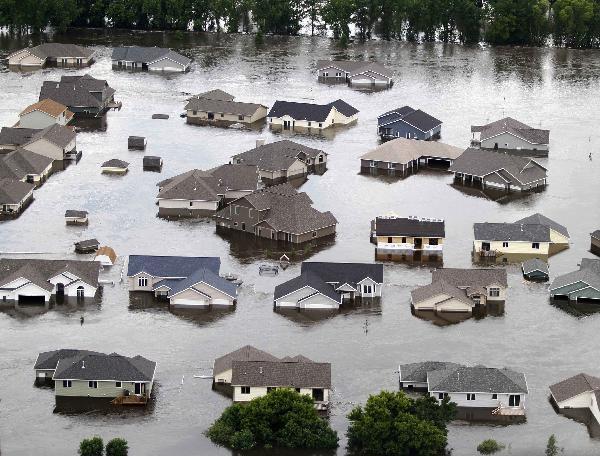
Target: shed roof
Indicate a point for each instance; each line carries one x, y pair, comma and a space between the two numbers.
115, 163
107, 251
75, 213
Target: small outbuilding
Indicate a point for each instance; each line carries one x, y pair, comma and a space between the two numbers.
160, 116
87, 246
535, 270
115, 166
152, 163
106, 256
136, 143
75, 217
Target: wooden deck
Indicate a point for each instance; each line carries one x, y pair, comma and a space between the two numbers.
130, 400
509, 411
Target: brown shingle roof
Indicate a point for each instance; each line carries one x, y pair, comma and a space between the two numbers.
281, 374
402, 150
246, 353
222, 106
574, 386
514, 127
48, 106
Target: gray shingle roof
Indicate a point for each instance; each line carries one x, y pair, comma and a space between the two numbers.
574, 386
115, 163
307, 279
351, 273
517, 170
246, 353
510, 125
192, 185
354, 67
105, 367
309, 111
88, 243
477, 379
595, 234
13, 191
21, 162
281, 374
534, 264
201, 275
403, 150
588, 273
48, 360
142, 54
76, 91
539, 219
415, 117
404, 226
237, 177
216, 94
54, 50
40, 271
58, 135
417, 372
471, 278
222, 106
276, 156
12, 136
511, 232
75, 213
438, 287
170, 266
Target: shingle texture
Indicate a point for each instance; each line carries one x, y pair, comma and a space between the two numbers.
574, 386
170, 266
19, 163
276, 156
417, 372
48, 360
246, 353
403, 151
222, 106
414, 117
216, 94
13, 191
11, 136
54, 50
73, 213
115, 163
587, 275
203, 275
404, 226
40, 272
534, 264
307, 279
477, 379
341, 273
78, 91
354, 68
281, 374
49, 107
105, 367
147, 55
511, 232
539, 219
509, 125
309, 111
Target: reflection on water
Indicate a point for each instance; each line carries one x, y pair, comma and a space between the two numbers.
67, 306
310, 317
497, 196
480, 415
579, 308
411, 258
90, 124
492, 309
325, 133
583, 416
103, 406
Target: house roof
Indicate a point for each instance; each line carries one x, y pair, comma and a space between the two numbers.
409, 226
21, 162
77, 91
48, 360
105, 367
472, 279
147, 54
88, 243
216, 94
351, 273
52, 50
514, 169
13, 191
201, 275
40, 271
414, 117
277, 155
75, 213
58, 135
588, 273
417, 372
170, 266
534, 264
595, 234
402, 150
310, 111
307, 279
478, 379
115, 163
245, 353
108, 251
539, 219
192, 185
438, 287
237, 177
511, 232
222, 106
16, 136
514, 127
574, 386
354, 67
296, 359
48, 106
281, 374
152, 160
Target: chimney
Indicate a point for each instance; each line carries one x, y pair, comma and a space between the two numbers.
260, 142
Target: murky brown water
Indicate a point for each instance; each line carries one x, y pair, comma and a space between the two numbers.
459, 85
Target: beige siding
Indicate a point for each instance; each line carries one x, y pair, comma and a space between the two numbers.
515, 247
508, 141
48, 149
108, 389
191, 297
260, 113
450, 304
39, 119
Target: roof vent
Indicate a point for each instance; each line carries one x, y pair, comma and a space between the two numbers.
83, 364
260, 370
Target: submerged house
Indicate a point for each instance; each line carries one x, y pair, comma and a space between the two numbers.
355, 73
222, 366
56, 142
51, 54
289, 115
323, 285
413, 376
183, 281
25, 166
536, 270
33, 280
44, 113
579, 286
115, 166
580, 392
83, 95
149, 58
278, 213
282, 161
409, 123
217, 107
400, 156
76, 217
595, 242
15, 196
510, 135
498, 171
46, 362
460, 290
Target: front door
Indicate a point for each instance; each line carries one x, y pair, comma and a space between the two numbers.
60, 293
418, 243
514, 400
485, 246
286, 124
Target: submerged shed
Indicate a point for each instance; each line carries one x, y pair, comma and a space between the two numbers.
160, 116
87, 246
152, 163
535, 269
136, 143
115, 166
75, 217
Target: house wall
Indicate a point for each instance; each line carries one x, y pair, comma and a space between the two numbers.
583, 400
292, 299
334, 118
80, 388
25, 59
166, 65
40, 120
223, 377
16, 208
483, 400
408, 243
375, 288
133, 282
194, 116
297, 169
29, 289
259, 391
558, 238
508, 141
369, 78
332, 74
186, 208
50, 150
450, 304
515, 247
318, 301
191, 298
401, 129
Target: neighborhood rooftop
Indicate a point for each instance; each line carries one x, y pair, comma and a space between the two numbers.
98, 366
417, 372
539, 219
511, 232
147, 55
293, 374
409, 226
170, 266
246, 353
222, 106
13, 191
40, 272
20, 163
477, 379
403, 151
309, 111
414, 117
341, 273
574, 386
510, 125
276, 156
58, 50
354, 67
77, 91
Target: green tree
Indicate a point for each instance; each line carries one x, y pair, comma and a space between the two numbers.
338, 15
516, 21
393, 424
552, 448
283, 418
91, 447
489, 446
280, 16
573, 22
117, 447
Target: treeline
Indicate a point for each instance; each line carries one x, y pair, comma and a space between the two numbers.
572, 23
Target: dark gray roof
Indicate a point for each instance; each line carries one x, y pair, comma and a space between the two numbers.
192, 185
277, 155
588, 273
40, 271
216, 94
511, 232
75, 213
514, 169
405, 226
58, 135
341, 273
88, 243
151, 160
281, 374
77, 91
48, 360
12, 136
105, 367
21, 162
201, 275
574, 386
354, 67
222, 106
535, 264
539, 219
54, 50
171, 266
13, 191
246, 353
471, 278
147, 55
309, 111
115, 163
415, 117
595, 234
476, 379
417, 372
136, 141
307, 279
237, 177
510, 125
437, 288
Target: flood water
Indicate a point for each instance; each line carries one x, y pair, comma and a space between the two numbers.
555, 88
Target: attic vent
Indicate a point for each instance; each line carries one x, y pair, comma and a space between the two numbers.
260, 370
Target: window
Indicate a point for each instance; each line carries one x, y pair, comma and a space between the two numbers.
222, 115
372, 164
433, 241
142, 282
245, 390
440, 396
250, 215
93, 384
235, 223
194, 112
470, 396
309, 123
236, 210
297, 390
404, 240
494, 292
318, 394
535, 245
320, 159
320, 125
494, 396
240, 117
117, 384
211, 115
390, 240
270, 388
514, 400
477, 300
243, 227
505, 244
367, 289
326, 74
390, 165
80, 292
67, 384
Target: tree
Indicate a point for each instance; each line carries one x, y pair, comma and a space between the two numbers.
91, 447
574, 21
489, 446
338, 15
117, 447
551, 448
517, 21
283, 418
393, 424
